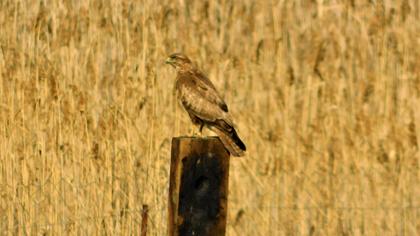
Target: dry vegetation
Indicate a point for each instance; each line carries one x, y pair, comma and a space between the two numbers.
326, 96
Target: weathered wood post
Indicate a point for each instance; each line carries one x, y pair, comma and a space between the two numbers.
198, 188
144, 216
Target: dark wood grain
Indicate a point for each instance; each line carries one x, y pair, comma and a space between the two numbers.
198, 187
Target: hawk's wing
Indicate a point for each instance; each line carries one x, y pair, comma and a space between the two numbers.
200, 98
208, 89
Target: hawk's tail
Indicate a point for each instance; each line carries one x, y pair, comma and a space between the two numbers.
231, 141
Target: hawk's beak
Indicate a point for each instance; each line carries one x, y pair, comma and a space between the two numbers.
170, 61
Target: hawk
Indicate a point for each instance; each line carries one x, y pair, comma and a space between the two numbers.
203, 103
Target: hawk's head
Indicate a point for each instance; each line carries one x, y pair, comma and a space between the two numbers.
179, 61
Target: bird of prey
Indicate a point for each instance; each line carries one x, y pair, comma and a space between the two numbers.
203, 103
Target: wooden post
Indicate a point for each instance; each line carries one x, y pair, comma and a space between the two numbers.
198, 188
144, 216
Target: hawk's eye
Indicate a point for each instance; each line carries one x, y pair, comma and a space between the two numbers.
173, 56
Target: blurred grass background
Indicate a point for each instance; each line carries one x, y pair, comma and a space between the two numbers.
326, 95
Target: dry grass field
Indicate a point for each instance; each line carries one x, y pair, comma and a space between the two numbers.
326, 95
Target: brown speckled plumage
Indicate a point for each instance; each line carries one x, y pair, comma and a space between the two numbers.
204, 104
